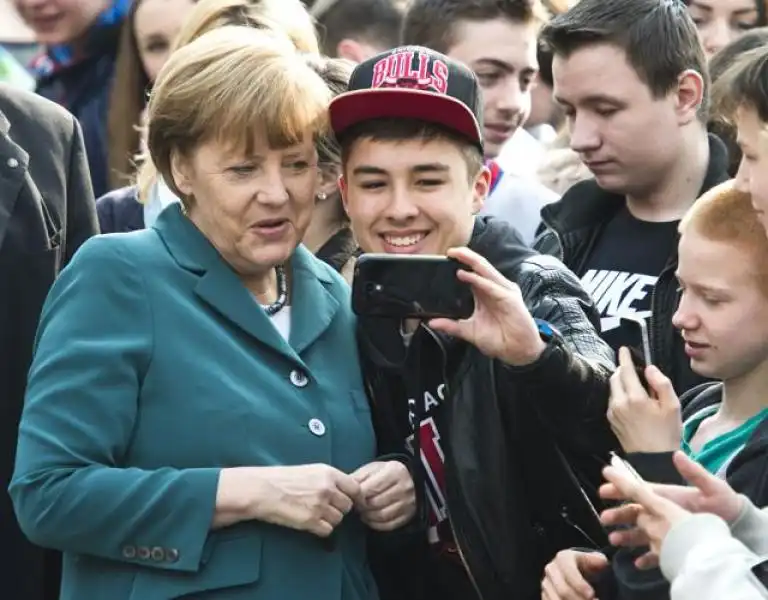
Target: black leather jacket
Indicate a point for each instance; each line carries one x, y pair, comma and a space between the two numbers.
573, 226
514, 439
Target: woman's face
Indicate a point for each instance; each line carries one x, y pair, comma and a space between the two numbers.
253, 209
60, 21
155, 26
721, 21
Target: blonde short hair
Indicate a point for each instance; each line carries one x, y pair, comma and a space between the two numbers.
232, 85
289, 17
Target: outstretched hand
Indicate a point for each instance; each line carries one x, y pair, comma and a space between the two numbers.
705, 494
651, 514
501, 326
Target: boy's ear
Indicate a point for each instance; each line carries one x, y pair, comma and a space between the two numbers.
480, 189
342, 183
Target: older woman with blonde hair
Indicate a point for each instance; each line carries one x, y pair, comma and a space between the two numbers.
196, 424
328, 236
122, 209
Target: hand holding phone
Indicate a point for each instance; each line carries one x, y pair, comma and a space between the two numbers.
644, 420
501, 326
627, 469
461, 295
637, 328
653, 514
410, 287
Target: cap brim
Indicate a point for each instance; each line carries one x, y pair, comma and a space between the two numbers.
351, 108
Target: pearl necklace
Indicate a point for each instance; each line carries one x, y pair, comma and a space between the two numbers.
282, 293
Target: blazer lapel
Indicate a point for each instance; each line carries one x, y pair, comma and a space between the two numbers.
218, 286
313, 307
225, 293
13, 169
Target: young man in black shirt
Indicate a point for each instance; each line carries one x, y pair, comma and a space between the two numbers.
632, 80
501, 408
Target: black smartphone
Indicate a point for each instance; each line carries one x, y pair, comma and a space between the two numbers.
641, 351
406, 286
640, 332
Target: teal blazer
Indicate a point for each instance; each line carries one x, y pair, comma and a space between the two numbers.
154, 368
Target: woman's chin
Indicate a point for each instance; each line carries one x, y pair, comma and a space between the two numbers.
271, 255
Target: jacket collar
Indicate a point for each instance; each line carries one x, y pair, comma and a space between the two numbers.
13, 171
313, 305
586, 205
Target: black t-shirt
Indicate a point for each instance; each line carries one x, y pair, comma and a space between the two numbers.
622, 271
425, 382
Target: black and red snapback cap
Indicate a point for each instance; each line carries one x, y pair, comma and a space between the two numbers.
412, 82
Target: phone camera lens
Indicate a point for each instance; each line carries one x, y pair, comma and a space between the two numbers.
372, 288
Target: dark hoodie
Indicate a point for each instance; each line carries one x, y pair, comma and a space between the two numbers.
747, 473
516, 441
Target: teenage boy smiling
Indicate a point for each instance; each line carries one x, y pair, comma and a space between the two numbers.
505, 409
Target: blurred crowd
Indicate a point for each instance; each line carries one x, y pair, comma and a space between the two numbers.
98, 59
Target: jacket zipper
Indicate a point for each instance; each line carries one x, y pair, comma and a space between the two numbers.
463, 560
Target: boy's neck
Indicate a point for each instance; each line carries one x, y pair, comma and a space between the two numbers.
680, 187
746, 395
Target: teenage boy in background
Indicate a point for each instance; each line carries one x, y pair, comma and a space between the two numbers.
357, 29
497, 39
632, 80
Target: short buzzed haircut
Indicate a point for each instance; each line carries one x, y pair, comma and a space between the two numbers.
658, 37
432, 23
725, 214
376, 22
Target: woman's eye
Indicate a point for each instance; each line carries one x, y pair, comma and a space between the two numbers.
298, 166
242, 170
